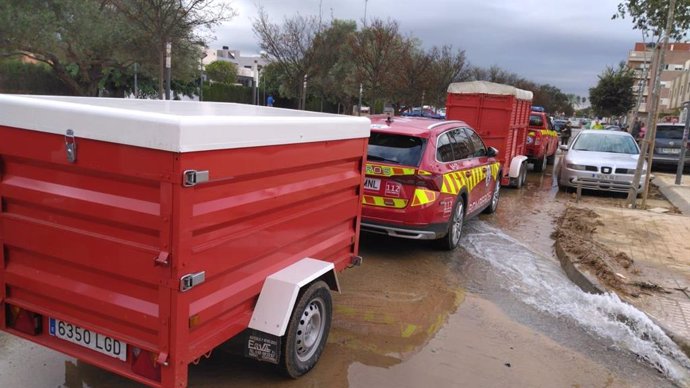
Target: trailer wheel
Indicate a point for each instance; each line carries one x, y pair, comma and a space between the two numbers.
540, 164
451, 240
308, 330
494, 199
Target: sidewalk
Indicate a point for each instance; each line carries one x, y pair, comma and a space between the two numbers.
641, 255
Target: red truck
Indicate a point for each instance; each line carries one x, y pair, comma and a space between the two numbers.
138, 235
542, 139
500, 115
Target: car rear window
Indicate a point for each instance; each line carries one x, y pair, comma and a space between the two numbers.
669, 132
536, 121
395, 149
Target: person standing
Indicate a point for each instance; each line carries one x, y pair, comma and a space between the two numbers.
566, 132
637, 125
269, 100
597, 125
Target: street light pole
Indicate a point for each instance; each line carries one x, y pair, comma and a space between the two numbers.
684, 143
168, 73
136, 81
304, 93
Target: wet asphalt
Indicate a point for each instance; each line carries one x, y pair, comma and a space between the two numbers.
414, 316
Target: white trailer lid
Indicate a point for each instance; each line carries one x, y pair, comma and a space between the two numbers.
177, 126
485, 87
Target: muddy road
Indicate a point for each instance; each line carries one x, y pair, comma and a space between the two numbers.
497, 312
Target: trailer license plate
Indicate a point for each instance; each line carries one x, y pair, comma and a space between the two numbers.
88, 339
372, 184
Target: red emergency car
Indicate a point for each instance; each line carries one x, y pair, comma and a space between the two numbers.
542, 139
425, 177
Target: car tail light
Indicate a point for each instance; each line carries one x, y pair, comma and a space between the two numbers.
432, 182
144, 363
23, 320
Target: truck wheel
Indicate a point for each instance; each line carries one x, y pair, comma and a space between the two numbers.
308, 330
494, 199
451, 240
540, 164
551, 159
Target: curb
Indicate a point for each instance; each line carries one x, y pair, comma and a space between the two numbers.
676, 199
591, 285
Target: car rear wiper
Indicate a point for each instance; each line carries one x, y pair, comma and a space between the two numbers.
381, 159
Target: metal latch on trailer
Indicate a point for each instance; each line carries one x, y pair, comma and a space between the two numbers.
70, 146
191, 280
193, 177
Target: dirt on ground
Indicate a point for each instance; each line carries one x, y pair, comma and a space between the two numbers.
614, 270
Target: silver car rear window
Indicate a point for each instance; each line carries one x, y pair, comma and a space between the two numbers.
604, 142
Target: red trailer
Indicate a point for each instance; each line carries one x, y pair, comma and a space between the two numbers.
500, 115
138, 235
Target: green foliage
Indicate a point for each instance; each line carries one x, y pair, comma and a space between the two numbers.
222, 72
29, 78
91, 44
613, 94
650, 16
227, 93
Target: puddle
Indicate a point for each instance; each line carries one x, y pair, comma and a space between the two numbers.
540, 282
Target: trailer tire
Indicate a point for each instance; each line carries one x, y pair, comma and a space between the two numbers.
307, 331
522, 176
457, 219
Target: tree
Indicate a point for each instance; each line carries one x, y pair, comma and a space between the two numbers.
613, 94
174, 21
289, 46
78, 39
332, 70
649, 16
222, 72
376, 51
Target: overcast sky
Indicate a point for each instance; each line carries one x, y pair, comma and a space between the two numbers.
565, 43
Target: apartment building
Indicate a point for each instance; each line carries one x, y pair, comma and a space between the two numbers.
677, 60
248, 67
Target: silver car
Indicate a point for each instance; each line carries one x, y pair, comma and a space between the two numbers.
600, 160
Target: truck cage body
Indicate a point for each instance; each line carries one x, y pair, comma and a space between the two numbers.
156, 223
498, 113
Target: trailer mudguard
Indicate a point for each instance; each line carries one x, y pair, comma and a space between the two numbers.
515, 165
279, 293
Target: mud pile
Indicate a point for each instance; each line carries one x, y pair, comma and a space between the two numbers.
614, 270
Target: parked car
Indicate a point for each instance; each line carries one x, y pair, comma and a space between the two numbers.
667, 146
613, 128
600, 160
424, 178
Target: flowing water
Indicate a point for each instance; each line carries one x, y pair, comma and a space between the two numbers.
540, 282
